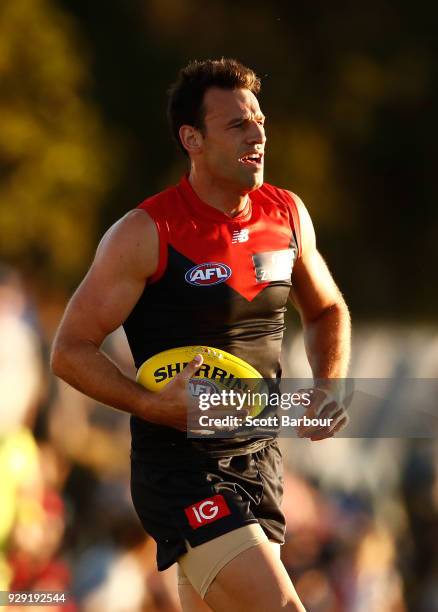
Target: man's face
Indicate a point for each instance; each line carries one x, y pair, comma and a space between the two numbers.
234, 138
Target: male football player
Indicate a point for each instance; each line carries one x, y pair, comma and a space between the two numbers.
211, 261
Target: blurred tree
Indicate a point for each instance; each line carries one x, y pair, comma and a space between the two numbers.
348, 91
348, 88
55, 158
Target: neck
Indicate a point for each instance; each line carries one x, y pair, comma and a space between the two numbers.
216, 194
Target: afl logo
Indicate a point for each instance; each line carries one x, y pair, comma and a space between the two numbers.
211, 273
201, 385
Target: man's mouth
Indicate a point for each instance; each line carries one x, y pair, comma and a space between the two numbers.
252, 159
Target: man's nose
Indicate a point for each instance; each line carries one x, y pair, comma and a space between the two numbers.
257, 134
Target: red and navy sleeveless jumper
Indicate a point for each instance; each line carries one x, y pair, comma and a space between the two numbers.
221, 281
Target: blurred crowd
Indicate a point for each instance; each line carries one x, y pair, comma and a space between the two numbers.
362, 514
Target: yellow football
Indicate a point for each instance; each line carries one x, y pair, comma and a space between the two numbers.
219, 371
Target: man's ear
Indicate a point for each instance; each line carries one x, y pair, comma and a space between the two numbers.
191, 139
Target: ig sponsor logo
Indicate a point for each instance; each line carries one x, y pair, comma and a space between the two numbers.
211, 273
207, 511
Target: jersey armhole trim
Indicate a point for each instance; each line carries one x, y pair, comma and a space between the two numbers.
296, 230
162, 231
162, 250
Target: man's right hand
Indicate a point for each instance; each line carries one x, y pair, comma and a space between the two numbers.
175, 407
173, 403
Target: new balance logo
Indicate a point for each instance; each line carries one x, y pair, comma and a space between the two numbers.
240, 236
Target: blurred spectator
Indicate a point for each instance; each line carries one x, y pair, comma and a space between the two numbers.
118, 572
88, 433
20, 355
20, 387
31, 511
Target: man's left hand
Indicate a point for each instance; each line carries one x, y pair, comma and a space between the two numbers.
324, 405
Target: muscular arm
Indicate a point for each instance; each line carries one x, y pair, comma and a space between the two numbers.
327, 330
125, 258
323, 311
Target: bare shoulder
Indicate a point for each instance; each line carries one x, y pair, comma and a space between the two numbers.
126, 257
130, 245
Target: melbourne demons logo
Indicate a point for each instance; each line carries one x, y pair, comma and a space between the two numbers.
210, 273
207, 511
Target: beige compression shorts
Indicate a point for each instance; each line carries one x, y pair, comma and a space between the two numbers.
199, 566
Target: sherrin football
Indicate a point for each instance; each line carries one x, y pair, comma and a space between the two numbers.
219, 370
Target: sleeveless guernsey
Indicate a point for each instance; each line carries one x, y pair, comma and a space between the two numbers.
221, 281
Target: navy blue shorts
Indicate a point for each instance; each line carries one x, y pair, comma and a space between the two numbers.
199, 498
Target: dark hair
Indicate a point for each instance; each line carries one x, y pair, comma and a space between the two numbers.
186, 95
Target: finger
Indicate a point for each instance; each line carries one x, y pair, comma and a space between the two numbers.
323, 406
191, 368
313, 430
315, 397
327, 400
320, 401
329, 434
308, 429
322, 437
331, 411
342, 423
322, 429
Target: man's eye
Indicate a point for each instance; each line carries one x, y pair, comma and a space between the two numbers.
244, 124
